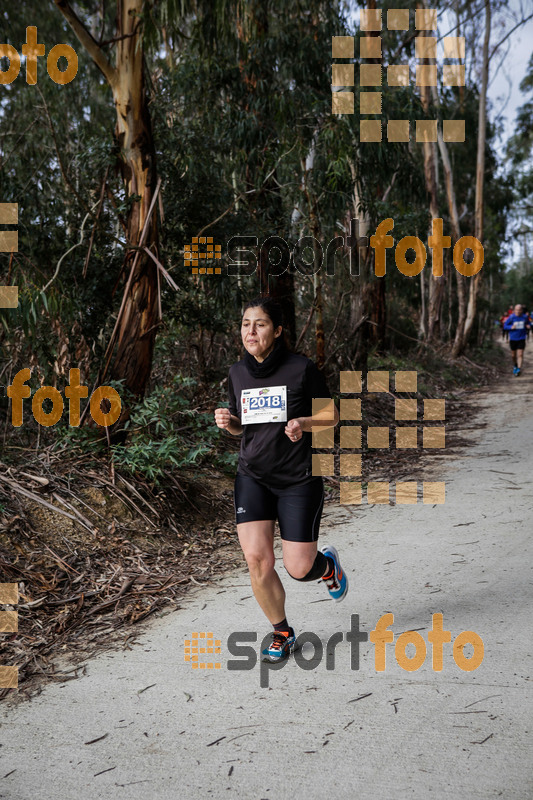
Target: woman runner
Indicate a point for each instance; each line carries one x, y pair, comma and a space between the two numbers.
270, 403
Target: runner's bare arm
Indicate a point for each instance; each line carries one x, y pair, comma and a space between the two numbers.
326, 418
228, 421
235, 428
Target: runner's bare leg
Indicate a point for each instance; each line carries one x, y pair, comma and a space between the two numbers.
257, 542
298, 557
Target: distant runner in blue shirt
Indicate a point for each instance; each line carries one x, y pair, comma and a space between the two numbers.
518, 325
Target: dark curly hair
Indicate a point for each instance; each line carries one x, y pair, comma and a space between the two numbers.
269, 306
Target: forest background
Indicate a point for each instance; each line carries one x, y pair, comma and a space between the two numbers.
213, 118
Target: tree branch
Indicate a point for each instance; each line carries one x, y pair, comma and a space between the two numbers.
88, 42
509, 33
306, 326
117, 39
78, 243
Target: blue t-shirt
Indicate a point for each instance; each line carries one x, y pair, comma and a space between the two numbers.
522, 323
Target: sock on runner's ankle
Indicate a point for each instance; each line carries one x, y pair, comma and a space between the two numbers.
282, 626
330, 570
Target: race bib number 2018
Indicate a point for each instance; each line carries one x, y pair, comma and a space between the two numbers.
264, 405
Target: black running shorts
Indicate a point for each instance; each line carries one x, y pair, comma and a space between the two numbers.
518, 344
298, 508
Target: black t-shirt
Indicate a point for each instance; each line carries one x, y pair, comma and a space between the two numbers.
267, 454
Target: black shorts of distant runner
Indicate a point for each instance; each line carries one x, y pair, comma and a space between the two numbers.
518, 344
297, 508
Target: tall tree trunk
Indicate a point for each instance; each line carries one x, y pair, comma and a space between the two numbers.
137, 329
319, 321
358, 333
315, 230
436, 284
450, 306
378, 311
480, 171
138, 319
458, 345
422, 329
373, 289
252, 20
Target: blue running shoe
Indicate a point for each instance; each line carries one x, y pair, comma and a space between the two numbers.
518, 371
338, 582
515, 370
281, 647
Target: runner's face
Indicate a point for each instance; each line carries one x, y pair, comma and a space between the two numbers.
518, 310
258, 334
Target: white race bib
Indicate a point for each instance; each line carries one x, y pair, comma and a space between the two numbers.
264, 405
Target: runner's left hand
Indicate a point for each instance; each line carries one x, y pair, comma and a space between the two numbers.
293, 429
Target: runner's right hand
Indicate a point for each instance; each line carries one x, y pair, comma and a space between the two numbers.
222, 417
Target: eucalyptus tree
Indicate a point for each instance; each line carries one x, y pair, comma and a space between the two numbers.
492, 12
119, 47
54, 154
124, 73
520, 159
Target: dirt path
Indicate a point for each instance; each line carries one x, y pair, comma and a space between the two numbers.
164, 730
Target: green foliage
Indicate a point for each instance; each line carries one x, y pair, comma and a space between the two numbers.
518, 283
165, 433
240, 97
85, 440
